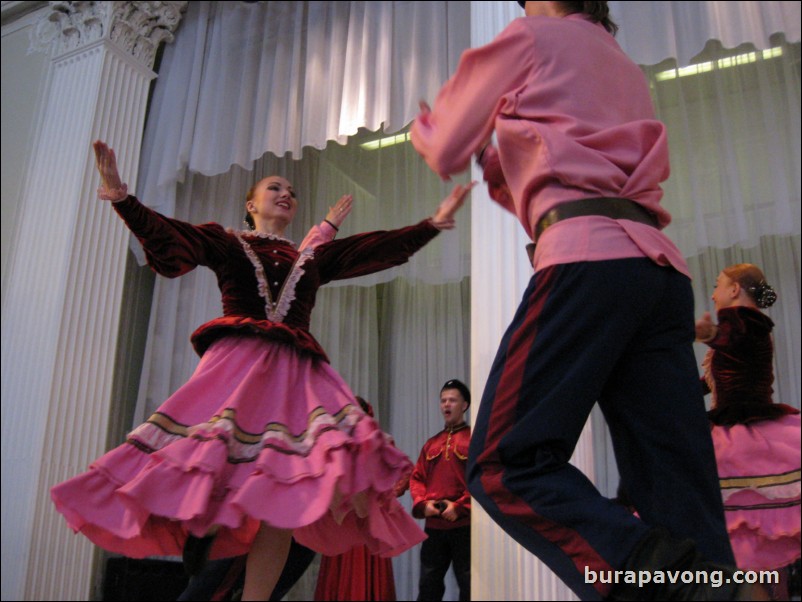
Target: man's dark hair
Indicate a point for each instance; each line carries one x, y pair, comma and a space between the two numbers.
459, 386
598, 12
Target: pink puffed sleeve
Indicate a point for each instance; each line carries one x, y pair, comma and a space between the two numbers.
463, 115
317, 235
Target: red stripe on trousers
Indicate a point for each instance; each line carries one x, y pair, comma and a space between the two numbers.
502, 419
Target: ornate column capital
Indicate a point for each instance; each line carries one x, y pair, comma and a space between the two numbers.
137, 28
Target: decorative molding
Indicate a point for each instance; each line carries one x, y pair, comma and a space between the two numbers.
137, 28
13, 12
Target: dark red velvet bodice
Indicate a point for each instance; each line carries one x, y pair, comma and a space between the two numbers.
738, 368
268, 287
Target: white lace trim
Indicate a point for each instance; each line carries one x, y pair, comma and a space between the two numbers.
785, 491
277, 310
263, 235
160, 431
152, 437
279, 436
287, 294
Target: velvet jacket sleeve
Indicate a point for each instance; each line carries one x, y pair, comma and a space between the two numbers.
735, 334
741, 366
372, 252
173, 247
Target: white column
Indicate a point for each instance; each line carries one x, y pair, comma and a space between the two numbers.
61, 309
501, 569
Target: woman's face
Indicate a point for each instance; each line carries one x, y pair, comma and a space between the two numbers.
725, 293
273, 199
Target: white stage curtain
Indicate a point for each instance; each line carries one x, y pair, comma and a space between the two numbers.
734, 193
425, 341
242, 79
654, 31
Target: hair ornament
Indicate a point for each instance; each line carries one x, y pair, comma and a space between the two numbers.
763, 294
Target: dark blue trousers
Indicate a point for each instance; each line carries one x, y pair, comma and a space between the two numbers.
440, 550
618, 333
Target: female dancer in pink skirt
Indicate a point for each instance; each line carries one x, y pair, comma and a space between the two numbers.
265, 440
757, 442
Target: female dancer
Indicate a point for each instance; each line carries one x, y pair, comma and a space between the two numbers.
757, 441
265, 441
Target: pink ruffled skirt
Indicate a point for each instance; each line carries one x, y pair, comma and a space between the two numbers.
259, 433
759, 472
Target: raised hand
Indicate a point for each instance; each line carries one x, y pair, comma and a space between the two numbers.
424, 113
340, 210
112, 187
444, 216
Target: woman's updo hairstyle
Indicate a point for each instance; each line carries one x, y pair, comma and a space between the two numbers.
752, 280
248, 217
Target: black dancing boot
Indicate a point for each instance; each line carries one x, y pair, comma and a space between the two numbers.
196, 553
671, 569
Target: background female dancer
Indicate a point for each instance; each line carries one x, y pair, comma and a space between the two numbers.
757, 441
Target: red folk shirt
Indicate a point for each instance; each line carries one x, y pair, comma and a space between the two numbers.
440, 475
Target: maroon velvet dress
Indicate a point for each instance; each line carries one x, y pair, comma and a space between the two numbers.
356, 575
757, 442
265, 429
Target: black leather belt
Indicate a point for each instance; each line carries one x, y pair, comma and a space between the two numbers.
612, 207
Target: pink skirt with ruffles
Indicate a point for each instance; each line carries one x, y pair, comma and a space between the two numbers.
259, 433
759, 472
